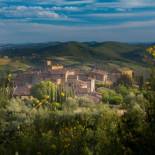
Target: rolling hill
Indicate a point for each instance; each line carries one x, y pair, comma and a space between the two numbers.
103, 50
80, 53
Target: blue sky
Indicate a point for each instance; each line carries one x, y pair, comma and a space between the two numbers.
23, 21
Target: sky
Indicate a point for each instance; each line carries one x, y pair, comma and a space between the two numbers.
26, 21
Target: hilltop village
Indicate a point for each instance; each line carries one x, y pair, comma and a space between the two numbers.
82, 82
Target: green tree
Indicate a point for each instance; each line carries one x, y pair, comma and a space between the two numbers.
132, 130
124, 80
122, 89
45, 90
111, 97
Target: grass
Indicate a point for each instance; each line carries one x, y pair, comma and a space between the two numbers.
4, 61
8, 64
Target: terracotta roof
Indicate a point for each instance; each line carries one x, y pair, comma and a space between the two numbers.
99, 71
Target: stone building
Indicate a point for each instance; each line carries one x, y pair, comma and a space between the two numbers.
127, 71
72, 78
82, 87
99, 75
57, 67
116, 74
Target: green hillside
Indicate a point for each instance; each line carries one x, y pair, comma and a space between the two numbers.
116, 50
75, 53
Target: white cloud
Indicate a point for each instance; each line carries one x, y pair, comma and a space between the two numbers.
136, 3
65, 8
12, 32
124, 4
123, 14
128, 24
21, 28
49, 14
30, 12
121, 9
64, 2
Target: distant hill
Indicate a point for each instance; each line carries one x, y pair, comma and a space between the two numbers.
76, 50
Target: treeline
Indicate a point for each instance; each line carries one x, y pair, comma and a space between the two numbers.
71, 126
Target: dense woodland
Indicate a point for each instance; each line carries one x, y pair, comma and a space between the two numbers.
56, 122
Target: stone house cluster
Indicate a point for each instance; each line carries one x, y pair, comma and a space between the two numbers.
83, 83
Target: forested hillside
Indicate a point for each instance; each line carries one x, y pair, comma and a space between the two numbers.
77, 50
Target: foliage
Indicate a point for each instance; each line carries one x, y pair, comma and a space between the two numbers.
124, 80
151, 51
48, 94
100, 85
45, 132
44, 90
111, 97
68, 125
123, 90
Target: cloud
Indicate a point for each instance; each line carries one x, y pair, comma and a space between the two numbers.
63, 2
65, 8
75, 19
136, 3
23, 33
123, 15
127, 24
49, 14
30, 12
124, 4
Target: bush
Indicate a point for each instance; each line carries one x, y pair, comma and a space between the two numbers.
111, 97
116, 99
44, 90
70, 104
123, 90
85, 101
